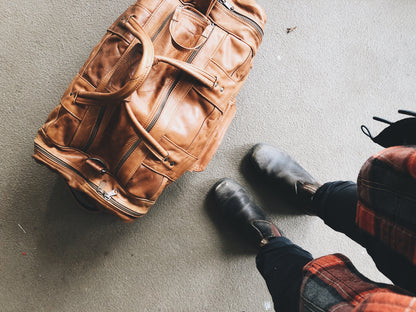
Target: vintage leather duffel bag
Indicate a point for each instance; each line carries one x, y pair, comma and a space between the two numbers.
153, 100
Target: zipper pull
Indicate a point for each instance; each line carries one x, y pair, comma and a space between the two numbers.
106, 195
227, 4
100, 188
109, 195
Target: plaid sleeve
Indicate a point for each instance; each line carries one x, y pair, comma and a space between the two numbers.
387, 302
386, 206
332, 283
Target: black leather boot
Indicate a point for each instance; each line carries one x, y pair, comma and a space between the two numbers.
238, 207
278, 168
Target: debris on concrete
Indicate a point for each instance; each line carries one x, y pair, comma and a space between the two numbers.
289, 30
21, 227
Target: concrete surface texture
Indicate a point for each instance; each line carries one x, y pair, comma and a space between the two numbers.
309, 92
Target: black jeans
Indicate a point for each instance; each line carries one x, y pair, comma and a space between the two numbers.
280, 262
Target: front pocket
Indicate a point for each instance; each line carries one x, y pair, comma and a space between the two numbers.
145, 183
115, 137
192, 122
234, 57
215, 138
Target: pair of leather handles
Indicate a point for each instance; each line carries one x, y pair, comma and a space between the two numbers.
147, 61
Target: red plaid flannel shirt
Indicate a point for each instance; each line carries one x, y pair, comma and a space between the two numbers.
387, 199
386, 210
332, 283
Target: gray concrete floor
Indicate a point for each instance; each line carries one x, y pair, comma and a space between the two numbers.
308, 93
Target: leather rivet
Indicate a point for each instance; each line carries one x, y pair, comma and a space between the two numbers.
222, 89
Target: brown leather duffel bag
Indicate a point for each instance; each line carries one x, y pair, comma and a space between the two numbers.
153, 100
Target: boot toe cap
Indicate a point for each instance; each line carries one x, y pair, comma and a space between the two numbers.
268, 159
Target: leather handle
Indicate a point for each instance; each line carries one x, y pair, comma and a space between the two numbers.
201, 75
148, 139
140, 74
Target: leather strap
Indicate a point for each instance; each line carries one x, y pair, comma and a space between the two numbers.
141, 73
201, 75
150, 142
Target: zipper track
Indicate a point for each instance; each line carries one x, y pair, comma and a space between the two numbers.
242, 16
250, 21
95, 130
103, 109
162, 26
158, 113
59, 161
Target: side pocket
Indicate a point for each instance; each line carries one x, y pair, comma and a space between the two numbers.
234, 58
61, 126
179, 161
106, 57
212, 145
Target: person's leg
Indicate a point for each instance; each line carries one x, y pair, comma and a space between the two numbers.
336, 204
279, 261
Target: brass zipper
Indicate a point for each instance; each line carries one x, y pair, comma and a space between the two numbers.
230, 7
106, 195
